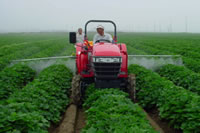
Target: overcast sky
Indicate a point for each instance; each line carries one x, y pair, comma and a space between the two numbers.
129, 15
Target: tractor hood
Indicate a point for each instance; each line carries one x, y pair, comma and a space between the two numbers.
106, 49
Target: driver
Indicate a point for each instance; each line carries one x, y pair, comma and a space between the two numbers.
101, 36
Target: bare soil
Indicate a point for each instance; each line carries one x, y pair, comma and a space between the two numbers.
164, 125
72, 121
68, 123
54, 127
80, 121
153, 123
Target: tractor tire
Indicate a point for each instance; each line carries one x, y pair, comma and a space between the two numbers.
76, 92
132, 86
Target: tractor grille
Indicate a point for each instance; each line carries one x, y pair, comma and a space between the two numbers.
106, 70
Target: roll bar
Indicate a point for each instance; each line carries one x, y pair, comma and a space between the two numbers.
102, 21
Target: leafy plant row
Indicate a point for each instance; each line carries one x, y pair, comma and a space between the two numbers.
181, 76
111, 111
52, 49
134, 51
31, 50
41, 102
181, 50
192, 64
15, 39
152, 49
20, 51
13, 78
190, 59
176, 104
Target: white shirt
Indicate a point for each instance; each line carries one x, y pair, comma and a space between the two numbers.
106, 36
79, 38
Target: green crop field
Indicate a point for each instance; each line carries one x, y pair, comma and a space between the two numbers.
32, 103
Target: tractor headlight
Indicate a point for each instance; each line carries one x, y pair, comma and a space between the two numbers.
107, 59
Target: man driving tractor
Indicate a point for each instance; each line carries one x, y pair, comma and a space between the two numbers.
101, 36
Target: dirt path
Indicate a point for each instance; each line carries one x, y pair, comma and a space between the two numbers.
80, 121
164, 125
153, 123
72, 122
69, 121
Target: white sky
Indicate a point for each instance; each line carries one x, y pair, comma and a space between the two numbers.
129, 15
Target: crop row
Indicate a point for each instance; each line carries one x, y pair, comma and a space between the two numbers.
185, 50
186, 42
151, 50
40, 49
111, 111
15, 39
192, 64
189, 61
181, 76
41, 102
190, 58
175, 104
13, 78
134, 51
10, 53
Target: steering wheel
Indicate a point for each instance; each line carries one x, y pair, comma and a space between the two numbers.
103, 40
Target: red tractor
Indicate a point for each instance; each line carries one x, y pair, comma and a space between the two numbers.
105, 63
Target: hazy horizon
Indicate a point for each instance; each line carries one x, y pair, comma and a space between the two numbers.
129, 15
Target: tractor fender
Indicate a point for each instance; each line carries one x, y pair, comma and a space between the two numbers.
123, 47
124, 55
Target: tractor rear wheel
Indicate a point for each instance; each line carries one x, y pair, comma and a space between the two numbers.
132, 86
76, 92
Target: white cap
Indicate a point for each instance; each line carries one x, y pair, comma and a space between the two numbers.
100, 27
